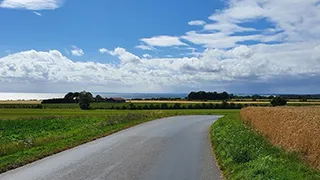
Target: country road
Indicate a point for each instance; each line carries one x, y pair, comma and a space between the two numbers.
175, 148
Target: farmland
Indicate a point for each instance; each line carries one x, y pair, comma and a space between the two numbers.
296, 129
242, 152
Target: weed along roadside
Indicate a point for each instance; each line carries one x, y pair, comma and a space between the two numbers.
243, 153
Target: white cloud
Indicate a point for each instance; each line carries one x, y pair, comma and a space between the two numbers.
196, 23
77, 51
103, 50
37, 13
124, 56
31, 4
163, 41
214, 69
217, 40
147, 56
144, 47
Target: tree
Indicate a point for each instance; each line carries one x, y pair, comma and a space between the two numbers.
99, 98
70, 95
84, 100
278, 101
271, 97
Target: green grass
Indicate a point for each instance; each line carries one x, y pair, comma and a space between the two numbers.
27, 135
242, 153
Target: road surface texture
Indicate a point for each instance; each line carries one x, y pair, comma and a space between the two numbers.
175, 148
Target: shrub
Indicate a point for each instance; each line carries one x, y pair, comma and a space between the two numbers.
84, 105
164, 106
278, 101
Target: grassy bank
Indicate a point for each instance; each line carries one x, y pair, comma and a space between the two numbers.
244, 154
39, 133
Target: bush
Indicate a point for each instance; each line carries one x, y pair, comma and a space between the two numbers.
164, 106
84, 105
278, 101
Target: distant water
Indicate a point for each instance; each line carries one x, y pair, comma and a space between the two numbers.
144, 95
41, 96
29, 96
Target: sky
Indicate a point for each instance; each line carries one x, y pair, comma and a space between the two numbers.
238, 46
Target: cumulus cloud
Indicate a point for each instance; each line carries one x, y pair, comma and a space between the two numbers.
124, 56
31, 4
214, 69
163, 41
196, 23
77, 51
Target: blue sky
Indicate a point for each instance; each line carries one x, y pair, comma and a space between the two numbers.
241, 46
103, 23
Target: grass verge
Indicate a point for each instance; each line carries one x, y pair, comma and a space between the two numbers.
242, 153
39, 134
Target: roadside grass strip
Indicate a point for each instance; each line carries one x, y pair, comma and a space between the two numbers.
242, 153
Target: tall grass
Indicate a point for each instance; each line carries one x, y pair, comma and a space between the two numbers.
293, 128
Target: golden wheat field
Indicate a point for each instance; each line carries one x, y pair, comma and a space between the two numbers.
293, 128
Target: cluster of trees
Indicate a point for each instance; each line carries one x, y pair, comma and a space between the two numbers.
204, 96
83, 98
293, 96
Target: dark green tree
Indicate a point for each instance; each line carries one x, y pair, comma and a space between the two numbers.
99, 98
85, 98
70, 95
278, 101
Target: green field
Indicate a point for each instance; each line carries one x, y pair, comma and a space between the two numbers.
27, 135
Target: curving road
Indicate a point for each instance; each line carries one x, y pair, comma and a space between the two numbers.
167, 149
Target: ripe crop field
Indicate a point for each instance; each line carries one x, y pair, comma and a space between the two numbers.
293, 128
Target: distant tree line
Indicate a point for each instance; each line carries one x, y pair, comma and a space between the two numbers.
74, 97
293, 96
204, 96
253, 97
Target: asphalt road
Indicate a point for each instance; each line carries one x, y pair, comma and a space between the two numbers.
175, 148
